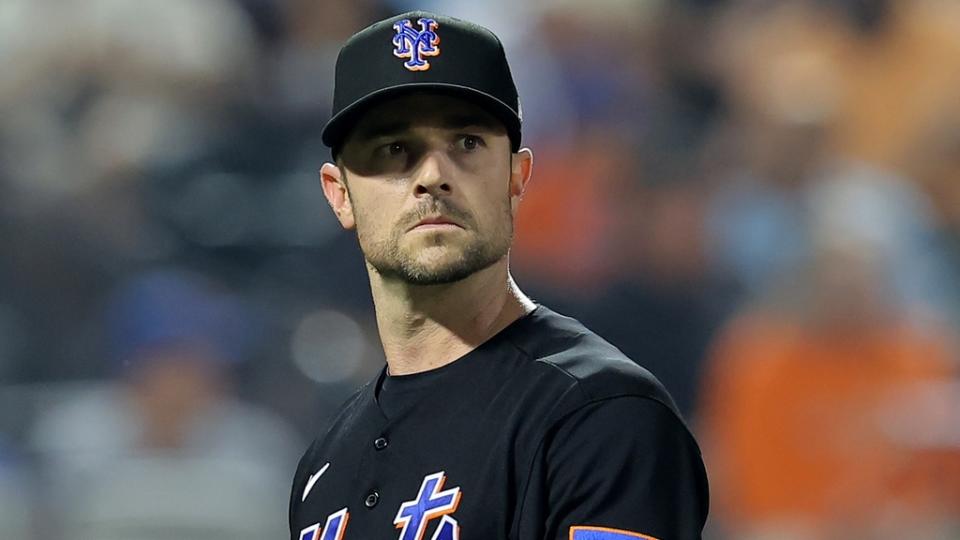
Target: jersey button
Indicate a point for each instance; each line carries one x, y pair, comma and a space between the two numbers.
372, 499
380, 443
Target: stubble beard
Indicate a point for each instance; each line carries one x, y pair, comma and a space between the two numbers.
393, 263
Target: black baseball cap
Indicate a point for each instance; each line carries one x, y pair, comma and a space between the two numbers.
422, 51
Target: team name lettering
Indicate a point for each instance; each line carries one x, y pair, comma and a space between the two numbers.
334, 528
431, 503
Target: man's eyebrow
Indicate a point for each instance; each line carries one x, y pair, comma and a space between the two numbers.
385, 129
459, 121
471, 120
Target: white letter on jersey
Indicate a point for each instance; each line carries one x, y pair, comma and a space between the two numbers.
333, 529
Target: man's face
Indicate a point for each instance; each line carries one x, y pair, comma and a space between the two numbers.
428, 179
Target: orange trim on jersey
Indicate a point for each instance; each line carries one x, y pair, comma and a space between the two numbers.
631, 534
343, 526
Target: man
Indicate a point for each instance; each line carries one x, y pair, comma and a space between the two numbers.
495, 417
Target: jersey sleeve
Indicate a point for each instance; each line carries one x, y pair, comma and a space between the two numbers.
623, 468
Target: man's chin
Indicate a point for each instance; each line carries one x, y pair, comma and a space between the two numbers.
434, 264
439, 272
436, 278
432, 272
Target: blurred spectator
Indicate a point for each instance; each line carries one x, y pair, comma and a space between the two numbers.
566, 218
17, 496
778, 66
934, 161
799, 76
898, 222
805, 397
167, 451
903, 76
661, 306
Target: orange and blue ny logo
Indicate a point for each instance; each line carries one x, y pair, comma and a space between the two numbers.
416, 44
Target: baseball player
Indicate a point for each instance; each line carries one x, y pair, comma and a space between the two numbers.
494, 417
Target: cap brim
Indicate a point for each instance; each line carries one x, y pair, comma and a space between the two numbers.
338, 127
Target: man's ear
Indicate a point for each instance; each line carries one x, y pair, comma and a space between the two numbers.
521, 169
335, 190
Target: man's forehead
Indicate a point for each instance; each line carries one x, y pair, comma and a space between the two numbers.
423, 110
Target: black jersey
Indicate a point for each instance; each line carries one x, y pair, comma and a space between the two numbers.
544, 431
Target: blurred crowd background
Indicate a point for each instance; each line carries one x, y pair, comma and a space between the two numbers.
757, 200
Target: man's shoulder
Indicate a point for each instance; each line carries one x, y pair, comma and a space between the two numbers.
571, 358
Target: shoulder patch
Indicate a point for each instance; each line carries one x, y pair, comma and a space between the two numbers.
605, 533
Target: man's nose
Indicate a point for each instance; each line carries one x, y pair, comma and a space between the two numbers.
432, 175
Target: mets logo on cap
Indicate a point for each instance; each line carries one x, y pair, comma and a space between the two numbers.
416, 44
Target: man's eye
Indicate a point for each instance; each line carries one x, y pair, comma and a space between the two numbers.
390, 150
470, 142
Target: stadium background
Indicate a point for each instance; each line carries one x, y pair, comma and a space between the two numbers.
758, 200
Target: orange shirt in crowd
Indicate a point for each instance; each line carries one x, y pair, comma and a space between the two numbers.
830, 432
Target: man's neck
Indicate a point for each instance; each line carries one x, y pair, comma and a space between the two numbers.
426, 327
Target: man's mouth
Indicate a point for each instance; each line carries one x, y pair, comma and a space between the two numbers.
435, 222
